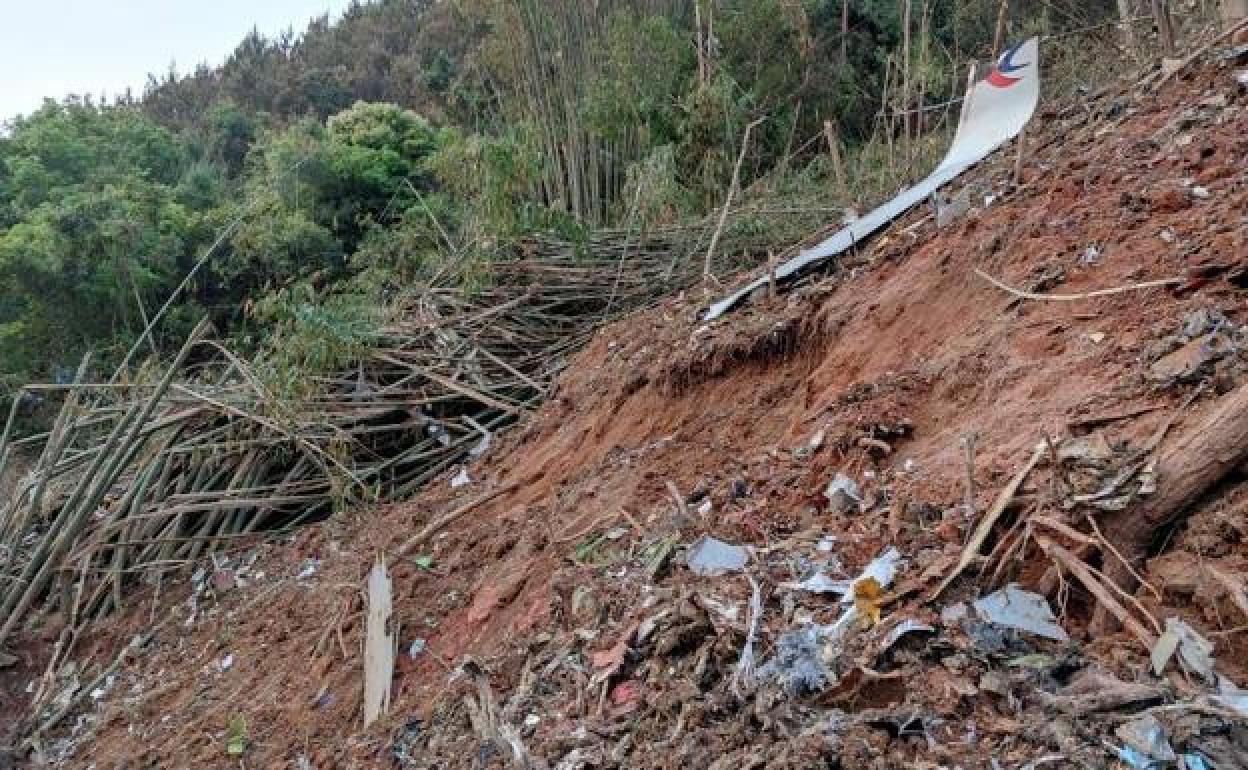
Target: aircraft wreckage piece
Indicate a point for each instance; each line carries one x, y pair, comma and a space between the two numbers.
994, 110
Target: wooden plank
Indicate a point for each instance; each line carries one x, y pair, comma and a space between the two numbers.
378, 645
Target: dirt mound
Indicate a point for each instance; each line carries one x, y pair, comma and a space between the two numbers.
908, 375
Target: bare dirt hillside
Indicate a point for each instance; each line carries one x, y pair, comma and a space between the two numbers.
561, 575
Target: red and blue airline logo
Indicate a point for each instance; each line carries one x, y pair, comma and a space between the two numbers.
1002, 75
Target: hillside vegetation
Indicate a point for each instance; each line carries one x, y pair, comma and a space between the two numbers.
321, 173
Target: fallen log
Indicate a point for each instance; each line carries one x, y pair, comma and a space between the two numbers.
1204, 455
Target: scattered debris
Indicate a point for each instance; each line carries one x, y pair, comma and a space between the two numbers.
620, 662
489, 722
989, 520
1205, 338
487, 439
798, 663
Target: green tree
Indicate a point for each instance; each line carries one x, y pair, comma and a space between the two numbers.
97, 232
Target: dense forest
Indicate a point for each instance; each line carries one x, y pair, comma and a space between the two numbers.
310, 177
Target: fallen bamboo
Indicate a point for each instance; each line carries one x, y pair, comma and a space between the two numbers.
157, 468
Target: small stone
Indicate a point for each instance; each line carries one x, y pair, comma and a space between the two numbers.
843, 495
584, 605
223, 580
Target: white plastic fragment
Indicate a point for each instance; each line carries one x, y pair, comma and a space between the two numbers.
1163, 650
1193, 761
227, 662
1231, 697
908, 626
883, 568
462, 479
843, 494
482, 446
1147, 736
803, 653
710, 557
1195, 651
1012, 607
953, 613
819, 583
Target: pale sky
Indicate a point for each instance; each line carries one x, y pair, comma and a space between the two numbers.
50, 48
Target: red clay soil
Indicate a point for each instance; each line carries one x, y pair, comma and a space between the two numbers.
894, 362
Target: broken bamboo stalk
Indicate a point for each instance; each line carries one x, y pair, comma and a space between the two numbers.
971, 552
732, 189
1020, 294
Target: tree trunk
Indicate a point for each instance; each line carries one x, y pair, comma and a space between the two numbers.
834, 155
1128, 31
1165, 25
905, 69
697, 23
1202, 457
845, 33
998, 38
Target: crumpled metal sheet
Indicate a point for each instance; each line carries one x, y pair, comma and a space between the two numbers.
711, 557
994, 111
1012, 607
